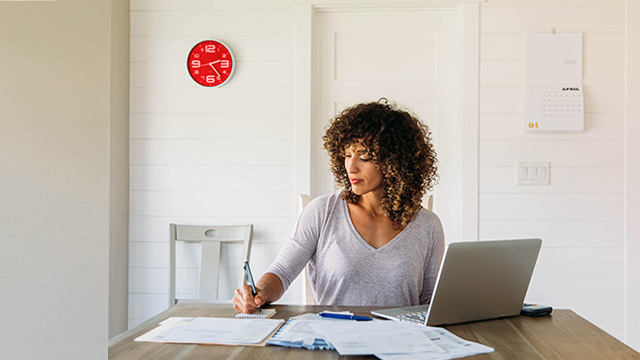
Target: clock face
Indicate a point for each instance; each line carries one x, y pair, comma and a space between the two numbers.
210, 63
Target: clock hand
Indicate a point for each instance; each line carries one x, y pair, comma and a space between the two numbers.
213, 62
214, 69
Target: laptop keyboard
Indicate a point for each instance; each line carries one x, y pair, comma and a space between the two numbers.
417, 317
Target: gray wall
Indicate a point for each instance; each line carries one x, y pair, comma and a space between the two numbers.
55, 108
119, 169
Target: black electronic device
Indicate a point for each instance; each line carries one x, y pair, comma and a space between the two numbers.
535, 310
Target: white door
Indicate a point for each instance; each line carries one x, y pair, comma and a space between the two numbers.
409, 56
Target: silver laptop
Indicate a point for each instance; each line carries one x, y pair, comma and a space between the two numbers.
478, 280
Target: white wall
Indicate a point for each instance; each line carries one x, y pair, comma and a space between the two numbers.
208, 156
54, 179
632, 174
580, 214
196, 153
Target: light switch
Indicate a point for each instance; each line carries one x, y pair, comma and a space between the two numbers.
532, 173
542, 173
523, 172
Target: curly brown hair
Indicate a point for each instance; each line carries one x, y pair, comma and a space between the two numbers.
399, 144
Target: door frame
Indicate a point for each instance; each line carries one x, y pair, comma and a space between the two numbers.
305, 14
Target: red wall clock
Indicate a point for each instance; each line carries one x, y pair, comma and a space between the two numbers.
211, 63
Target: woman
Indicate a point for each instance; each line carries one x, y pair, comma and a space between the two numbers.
373, 244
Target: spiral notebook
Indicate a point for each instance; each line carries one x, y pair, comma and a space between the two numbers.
266, 313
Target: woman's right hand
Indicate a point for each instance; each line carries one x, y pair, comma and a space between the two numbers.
244, 302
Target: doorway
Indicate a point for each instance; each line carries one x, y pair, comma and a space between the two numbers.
413, 57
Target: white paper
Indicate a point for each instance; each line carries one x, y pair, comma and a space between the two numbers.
300, 331
370, 337
554, 58
453, 346
205, 330
264, 314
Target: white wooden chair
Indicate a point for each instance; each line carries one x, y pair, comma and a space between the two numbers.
210, 238
307, 292
430, 202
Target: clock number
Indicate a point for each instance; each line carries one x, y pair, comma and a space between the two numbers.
211, 79
224, 64
210, 48
195, 63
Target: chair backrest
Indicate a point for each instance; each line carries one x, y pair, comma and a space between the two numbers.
430, 202
210, 238
303, 200
307, 292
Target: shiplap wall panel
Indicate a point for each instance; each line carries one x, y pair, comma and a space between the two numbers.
145, 306
605, 17
205, 156
580, 261
596, 72
503, 180
576, 287
512, 46
590, 295
511, 126
201, 101
579, 215
208, 23
597, 99
172, 5
203, 203
148, 280
212, 126
151, 50
558, 233
212, 151
208, 178
246, 74
551, 207
602, 153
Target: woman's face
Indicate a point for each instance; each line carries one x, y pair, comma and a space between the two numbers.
365, 176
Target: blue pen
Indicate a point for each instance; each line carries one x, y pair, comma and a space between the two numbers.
249, 277
347, 317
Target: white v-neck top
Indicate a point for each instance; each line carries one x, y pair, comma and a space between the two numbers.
346, 270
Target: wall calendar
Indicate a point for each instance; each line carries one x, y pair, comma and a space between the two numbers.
554, 93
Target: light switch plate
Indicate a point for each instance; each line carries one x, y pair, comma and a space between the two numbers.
532, 173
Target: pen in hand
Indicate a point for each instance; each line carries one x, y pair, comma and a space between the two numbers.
249, 277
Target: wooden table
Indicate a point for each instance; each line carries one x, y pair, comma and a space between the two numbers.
563, 335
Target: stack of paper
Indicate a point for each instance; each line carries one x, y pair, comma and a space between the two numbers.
375, 337
207, 330
388, 340
297, 333
452, 346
